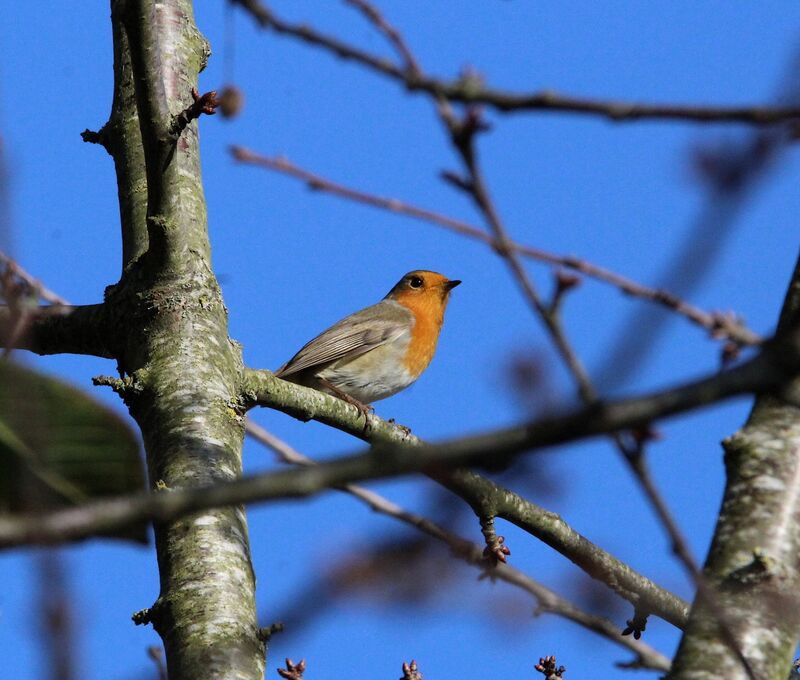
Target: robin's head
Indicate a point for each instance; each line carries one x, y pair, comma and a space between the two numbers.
425, 295
422, 287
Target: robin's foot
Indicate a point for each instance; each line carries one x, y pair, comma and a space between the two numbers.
364, 409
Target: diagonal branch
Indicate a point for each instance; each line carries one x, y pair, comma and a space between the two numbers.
394, 458
547, 600
10, 268
470, 90
766, 371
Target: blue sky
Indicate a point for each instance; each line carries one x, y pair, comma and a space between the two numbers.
293, 262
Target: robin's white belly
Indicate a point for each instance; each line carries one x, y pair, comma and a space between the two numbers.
375, 375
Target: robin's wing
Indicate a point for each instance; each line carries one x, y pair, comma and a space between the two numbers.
353, 336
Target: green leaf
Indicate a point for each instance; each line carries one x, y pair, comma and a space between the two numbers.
59, 447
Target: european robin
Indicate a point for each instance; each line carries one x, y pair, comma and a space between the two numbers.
380, 350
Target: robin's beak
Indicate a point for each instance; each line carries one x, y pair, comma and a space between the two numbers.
449, 285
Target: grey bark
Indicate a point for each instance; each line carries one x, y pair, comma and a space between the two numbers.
171, 341
753, 567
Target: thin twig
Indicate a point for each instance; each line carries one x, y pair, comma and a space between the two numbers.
411, 671
470, 90
156, 653
392, 34
57, 616
718, 325
293, 671
547, 600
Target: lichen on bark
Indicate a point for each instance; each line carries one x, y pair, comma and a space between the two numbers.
753, 566
171, 340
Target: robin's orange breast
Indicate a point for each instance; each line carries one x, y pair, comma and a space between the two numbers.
428, 314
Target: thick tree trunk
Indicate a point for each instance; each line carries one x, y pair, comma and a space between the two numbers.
182, 372
753, 567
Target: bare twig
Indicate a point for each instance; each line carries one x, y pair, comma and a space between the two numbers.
462, 135
547, 667
156, 653
98, 137
392, 35
470, 90
56, 616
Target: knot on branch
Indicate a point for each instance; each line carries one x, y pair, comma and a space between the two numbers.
463, 131
147, 615
470, 82
128, 388
265, 634
495, 550
761, 568
100, 137
564, 282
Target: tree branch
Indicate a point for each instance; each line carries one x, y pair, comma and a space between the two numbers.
772, 368
10, 270
470, 90
547, 600
390, 461
56, 329
161, 78
768, 370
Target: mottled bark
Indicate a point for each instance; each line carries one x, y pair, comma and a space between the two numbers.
183, 372
753, 567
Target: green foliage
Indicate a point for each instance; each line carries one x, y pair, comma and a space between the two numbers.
59, 447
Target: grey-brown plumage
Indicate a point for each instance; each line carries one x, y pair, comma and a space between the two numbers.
349, 338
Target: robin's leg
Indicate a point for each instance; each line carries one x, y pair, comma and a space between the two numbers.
363, 408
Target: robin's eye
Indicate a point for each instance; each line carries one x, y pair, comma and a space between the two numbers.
415, 282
